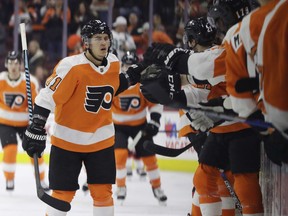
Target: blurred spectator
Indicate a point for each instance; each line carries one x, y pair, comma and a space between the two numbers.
99, 8
134, 25
142, 41
35, 55
2, 40
74, 44
41, 75
122, 40
53, 22
125, 7
82, 15
27, 15
157, 23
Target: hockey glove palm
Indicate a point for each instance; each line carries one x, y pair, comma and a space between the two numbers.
34, 140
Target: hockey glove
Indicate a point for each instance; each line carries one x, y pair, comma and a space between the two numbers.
134, 73
198, 140
164, 54
221, 104
276, 147
166, 85
34, 140
199, 121
152, 127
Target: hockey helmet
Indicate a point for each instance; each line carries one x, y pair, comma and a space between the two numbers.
130, 58
229, 11
12, 55
95, 27
200, 30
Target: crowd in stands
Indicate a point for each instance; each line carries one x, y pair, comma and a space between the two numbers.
44, 24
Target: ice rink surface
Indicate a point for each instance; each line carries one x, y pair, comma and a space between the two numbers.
139, 201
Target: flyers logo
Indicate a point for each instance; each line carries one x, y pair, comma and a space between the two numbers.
97, 97
129, 102
14, 99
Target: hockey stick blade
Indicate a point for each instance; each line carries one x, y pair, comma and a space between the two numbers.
161, 150
49, 200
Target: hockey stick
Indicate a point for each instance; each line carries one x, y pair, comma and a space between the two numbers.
160, 94
231, 191
132, 145
161, 150
51, 201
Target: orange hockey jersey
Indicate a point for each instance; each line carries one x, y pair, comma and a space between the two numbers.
240, 58
272, 52
13, 100
130, 107
81, 95
209, 66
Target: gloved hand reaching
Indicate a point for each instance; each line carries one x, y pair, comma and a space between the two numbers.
134, 72
151, 129
199, 121
164, 54
34, 140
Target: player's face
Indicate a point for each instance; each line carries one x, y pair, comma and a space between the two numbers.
99, 44
13, 66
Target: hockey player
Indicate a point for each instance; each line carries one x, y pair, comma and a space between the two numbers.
14, 117
273, 77
239, 72
230, 145
199, 36
129, 116
80, 92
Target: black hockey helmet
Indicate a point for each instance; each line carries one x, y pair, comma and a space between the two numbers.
12, 55
200, 30
229, 11
130, 58
95, 27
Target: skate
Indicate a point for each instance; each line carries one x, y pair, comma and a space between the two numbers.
45, 186
129, 172
85, 188
160, 196
142, 173
121, 194
10, 185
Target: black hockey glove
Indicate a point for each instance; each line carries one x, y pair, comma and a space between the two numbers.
34, 140
220, 104
276, 147
134, 72
152, 127
164, 54
163, 85
198, 140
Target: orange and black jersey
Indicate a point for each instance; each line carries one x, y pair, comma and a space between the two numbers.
81, 95
13, 100
130, 107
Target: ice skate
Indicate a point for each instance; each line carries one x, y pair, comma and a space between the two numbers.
142, 173
121, 194
45, 186
160, 196
10, 185
129, 172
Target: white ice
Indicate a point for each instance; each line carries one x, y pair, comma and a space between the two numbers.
139, 201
